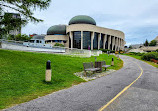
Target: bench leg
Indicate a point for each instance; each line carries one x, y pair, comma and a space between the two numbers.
85, 73
105, 68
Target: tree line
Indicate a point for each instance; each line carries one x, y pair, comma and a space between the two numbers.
152, 43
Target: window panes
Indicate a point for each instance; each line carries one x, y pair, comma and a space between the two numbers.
95, 41
86, 40
77, 39
101, 41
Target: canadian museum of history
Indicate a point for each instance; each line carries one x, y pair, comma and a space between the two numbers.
82, 33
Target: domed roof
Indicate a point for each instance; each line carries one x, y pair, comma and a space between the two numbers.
57, 29
38, 37
82, 19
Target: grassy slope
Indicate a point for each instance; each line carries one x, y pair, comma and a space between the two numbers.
139, 57
22, 74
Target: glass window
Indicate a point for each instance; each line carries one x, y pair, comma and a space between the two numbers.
64, 41
86, 40
48, 41
101, 41
106, 45
77, 40
60, 41
95, 41
69, 42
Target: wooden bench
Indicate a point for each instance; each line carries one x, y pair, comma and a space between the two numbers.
104, 65
89, 67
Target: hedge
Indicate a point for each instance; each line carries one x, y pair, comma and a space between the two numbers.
149, 56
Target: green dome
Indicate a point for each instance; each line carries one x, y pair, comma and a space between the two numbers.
57, 29
82, 19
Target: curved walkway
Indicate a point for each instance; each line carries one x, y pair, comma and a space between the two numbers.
91, 96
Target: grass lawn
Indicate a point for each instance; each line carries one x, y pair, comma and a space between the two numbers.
22, 74
139, 57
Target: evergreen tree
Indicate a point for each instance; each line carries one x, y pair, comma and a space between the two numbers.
24, 7
146, 43
130, 47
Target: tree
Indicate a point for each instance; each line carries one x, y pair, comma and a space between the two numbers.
19, 37
153, 43
8, 23
24, 7
146, 43
130, 47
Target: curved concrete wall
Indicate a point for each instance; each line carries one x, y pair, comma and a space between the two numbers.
93, 28
114, 38
58, 37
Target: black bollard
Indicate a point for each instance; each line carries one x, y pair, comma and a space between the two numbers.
48, 71
48, 64
112, 62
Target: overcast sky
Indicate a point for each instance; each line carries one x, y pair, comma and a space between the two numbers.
138, 19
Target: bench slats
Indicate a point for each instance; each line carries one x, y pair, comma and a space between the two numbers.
89, 67
106, 66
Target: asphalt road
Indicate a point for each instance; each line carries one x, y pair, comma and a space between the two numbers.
92, 95
142, 95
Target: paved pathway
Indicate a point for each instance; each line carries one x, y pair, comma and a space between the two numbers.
92, 95
143, 95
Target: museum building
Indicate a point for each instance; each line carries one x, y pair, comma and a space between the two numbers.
82, 33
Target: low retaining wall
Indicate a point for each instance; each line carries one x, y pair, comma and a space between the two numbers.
32, 49
67, 51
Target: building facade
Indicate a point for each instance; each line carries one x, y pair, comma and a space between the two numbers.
82, 33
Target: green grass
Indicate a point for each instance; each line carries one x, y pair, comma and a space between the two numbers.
139, 57
22, 74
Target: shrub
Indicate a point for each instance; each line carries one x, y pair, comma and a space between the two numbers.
19, 37
130, 47
136, 53
105, 50
58, 44
139, 54
121, 51
149, 56
112, 51
153, 43
11, 37
116, 52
